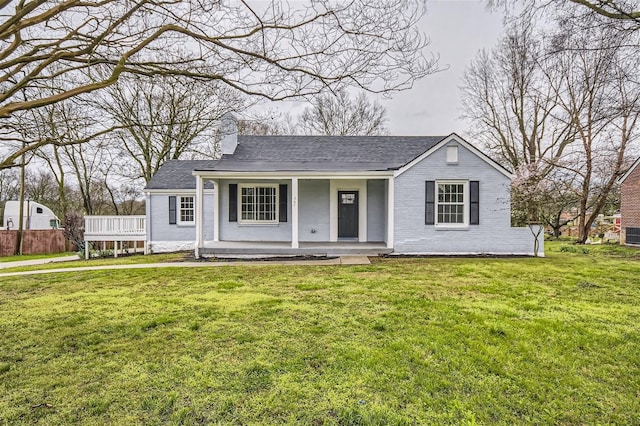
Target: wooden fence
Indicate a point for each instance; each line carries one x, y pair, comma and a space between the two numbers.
33, 242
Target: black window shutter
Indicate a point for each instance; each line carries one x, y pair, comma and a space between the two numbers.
233, 202
172, 210
430, 198
283, 203
474, 197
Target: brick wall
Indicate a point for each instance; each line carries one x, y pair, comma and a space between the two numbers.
630, 203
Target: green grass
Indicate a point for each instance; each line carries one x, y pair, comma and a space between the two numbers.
400, 341
103, 261
33, 256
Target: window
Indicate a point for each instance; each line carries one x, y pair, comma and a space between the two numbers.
259, 204
187, 211
454, 203
451, 203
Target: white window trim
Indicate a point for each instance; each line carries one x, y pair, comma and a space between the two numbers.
179, 210
466, 200
276, 220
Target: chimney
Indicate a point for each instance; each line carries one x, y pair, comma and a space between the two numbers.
228, 133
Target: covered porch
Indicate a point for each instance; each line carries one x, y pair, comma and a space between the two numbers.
272, 213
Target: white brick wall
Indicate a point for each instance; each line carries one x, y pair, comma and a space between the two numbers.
493, 235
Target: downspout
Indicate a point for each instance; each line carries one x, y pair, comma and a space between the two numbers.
148, 224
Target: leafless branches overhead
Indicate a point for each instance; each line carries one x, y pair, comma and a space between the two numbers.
276, 51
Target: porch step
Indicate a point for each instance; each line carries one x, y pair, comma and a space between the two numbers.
354, 260
288, 251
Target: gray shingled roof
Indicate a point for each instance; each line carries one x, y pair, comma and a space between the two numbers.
324, 153
301, 153
176, 174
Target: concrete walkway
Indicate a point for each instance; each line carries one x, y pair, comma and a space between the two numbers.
19, 263
343, 260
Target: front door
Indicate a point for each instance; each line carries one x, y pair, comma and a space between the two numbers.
347, 214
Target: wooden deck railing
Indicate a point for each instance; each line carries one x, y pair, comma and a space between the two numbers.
116, 227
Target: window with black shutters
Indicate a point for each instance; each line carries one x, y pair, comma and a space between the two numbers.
259, 204
452, 203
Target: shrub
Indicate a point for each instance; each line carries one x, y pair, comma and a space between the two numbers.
74, 229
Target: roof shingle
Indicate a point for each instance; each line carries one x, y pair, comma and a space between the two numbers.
301, 153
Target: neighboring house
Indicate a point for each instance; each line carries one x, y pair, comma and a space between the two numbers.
329, 194
630, 205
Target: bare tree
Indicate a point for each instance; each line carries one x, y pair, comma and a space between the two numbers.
563, 102
620, 16
86, 163
125, 198
276, 51
164, 118
40, 186
511, 105
9, 187
601, 95
266, 123
340, 114
64, 124
619, 10
513, 110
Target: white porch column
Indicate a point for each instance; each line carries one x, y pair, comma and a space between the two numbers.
198, 206
294, 213
390, 211
216, 210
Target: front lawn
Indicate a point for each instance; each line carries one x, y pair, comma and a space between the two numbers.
105, 261
401, 341
21, 257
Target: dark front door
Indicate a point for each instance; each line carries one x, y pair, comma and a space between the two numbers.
347, 214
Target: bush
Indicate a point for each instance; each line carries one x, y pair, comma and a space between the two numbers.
74, 229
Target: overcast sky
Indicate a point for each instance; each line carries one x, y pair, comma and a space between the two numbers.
458, 29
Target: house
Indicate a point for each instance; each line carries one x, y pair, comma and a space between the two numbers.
630, 205
331, 194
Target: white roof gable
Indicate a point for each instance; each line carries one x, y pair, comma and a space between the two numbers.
461, 141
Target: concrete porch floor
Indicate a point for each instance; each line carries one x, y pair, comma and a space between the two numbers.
277, 248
